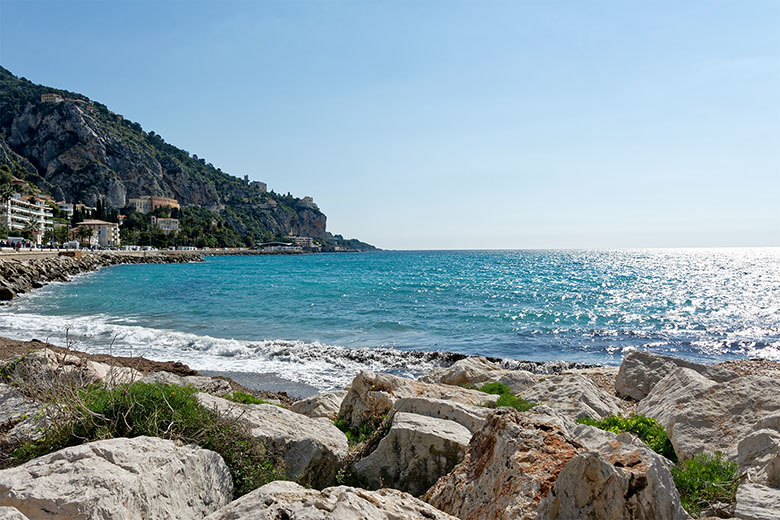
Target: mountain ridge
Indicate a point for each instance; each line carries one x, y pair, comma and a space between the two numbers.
80, 151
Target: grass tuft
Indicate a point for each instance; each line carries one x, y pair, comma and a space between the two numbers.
157, 410
244, 398
705, 480
649, 431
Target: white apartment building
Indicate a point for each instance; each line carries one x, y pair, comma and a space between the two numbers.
106, 233
22, 211
167, 225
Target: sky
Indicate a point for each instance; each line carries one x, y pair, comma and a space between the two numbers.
451, 124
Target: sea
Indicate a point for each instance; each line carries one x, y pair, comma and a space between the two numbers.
319, 319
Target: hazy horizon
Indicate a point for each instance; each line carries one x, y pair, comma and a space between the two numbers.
451, 125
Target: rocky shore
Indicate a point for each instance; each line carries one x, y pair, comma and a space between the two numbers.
445, 446
22, 275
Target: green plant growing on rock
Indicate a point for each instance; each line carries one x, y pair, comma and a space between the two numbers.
705, 480
158, 410
506, 397
244, 398
647, 429
367, 430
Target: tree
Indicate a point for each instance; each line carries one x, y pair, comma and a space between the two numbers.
85, 234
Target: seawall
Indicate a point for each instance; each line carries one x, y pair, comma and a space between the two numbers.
20, 275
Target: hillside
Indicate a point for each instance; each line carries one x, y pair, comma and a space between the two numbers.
79, 151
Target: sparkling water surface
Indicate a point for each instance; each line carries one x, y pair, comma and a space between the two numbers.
320, 318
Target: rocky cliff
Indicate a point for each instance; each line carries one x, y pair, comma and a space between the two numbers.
79, 151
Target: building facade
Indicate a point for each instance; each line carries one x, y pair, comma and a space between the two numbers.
51, 97
105, 234
28, 212
147, 203
167, 225
304, 242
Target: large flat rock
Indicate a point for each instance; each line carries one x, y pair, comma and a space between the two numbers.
470, 370
540, 465
312, 450
321, 406
372, 395
415, 453
573, 395
472, 417
709, 418
641, 370
121, 479
289, 501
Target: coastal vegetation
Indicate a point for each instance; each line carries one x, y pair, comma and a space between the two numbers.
244, 398
647, 429
158, 410
505, 396
706, 480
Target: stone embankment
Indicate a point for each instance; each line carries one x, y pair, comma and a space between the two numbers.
433, 449
22, 275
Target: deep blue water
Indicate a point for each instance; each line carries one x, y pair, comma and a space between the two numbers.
301, 316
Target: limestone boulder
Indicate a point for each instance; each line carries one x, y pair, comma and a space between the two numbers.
470, 370
372, 394
312, 450
661, 402
538, 465
416, 451
288, 500
573, 395
757, 502
758, 457
22, 418
717, 417
641, 370
138, 478
472, 417
209, 385
321, 406
519, 381
11, 513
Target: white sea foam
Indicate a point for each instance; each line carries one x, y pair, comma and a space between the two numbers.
320, 365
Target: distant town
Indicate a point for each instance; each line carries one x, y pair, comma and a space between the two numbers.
31, 223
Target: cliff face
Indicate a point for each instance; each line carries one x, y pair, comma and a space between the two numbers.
79, 151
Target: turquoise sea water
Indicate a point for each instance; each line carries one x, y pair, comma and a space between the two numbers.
321, 318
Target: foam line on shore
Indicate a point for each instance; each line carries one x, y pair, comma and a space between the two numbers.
317, 364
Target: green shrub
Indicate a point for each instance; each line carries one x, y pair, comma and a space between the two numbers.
704, 480
647, 429
244, 398
512, 401
495, 388
357, 434
156, 410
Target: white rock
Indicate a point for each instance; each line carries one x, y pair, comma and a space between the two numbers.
372, 395
758, 456
532, 465
218, 387
717, 417
661, 402
289, 501
641, 370
325, 405
313, 450
519, 380
757, 502
121, 479
27, 416
415, 453
472, 417
470, 370
11, 513
573, 395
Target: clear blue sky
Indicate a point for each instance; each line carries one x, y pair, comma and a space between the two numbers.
447, 124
